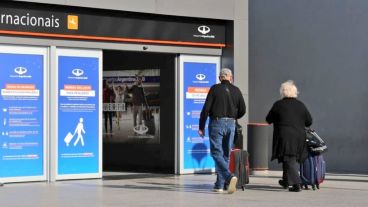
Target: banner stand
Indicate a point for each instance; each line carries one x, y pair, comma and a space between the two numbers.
78, 144
23, 100
197, 74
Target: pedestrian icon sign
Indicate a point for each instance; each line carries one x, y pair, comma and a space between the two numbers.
79, 129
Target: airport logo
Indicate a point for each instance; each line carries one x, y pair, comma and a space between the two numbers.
204, 32
72, 22
77, 72
20, 70
20, 73
200, 77
204, 29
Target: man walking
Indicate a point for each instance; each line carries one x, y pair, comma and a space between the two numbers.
138, 100
224, 104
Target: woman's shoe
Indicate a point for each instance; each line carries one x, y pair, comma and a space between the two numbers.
283, 184
295, 188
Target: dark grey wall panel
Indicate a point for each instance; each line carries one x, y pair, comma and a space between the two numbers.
218, 9
323, 47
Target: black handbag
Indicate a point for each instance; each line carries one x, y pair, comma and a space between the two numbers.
238, 136
314, 142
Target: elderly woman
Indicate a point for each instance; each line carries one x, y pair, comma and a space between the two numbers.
289, 117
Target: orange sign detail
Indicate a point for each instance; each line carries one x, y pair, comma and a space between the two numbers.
73, 22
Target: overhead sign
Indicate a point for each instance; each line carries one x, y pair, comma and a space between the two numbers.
21, 114
75, 23
79, 136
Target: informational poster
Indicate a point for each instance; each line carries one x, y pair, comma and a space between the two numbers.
198, 74
78, 115
21, 113
131, 111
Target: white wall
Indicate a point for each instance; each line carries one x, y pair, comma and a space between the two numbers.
217, 9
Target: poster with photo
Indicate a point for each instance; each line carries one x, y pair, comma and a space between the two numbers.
131, 106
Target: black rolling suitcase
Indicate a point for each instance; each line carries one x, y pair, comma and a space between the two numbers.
149, 121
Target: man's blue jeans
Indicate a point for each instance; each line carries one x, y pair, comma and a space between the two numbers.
221, 133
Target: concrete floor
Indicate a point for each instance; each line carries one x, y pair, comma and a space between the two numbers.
135, 189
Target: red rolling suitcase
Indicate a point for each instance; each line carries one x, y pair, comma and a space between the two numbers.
239, 166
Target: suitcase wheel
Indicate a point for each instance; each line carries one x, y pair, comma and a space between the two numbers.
306, 187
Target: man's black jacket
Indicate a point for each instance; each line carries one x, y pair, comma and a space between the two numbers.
223, 100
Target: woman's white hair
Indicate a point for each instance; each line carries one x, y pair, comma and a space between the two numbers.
288, 90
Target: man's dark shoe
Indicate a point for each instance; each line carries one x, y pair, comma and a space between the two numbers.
226, 186
295, 188
283, 184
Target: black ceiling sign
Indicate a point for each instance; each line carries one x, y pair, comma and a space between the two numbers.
105, 25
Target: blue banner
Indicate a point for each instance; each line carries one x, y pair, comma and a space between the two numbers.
78, 116
21, 115
198, 78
